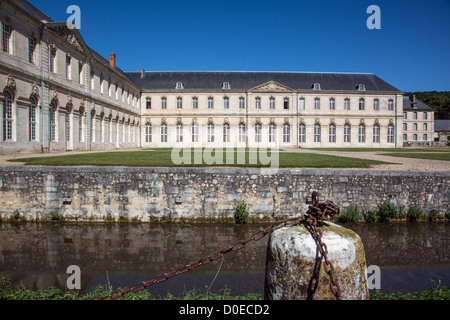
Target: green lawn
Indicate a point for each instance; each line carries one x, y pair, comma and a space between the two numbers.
163, 158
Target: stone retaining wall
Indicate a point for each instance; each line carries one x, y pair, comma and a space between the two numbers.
101, 193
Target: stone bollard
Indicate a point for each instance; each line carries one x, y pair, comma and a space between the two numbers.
295, 268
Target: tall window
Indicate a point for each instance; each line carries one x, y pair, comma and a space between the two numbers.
241, 132
272, 103
210, 132
376, 134
361, 104
31, 50
7, 116
163, 132
52, 60
286, 103
390, 137
317, 133
148, 103
163, 103
194, 103
226, 103
241, 103
302, 103
391, 105
80, 74
272, 132
302, 133
286, 133
332, 104
226, 132
101, 84
347, 133
194, 132
347, 104
6, 38
68, 69
258, 103
32, 119
362, 134
415, 115
80, 126
52, 122
179, 132
258, 132
210, 103
332, 133
376, 104
425, 127
425, 116
179, 103
316, 104
68, 125
92, 80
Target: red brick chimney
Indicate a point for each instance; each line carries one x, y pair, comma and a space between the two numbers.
112, 60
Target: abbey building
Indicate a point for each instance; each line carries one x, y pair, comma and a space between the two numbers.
57, 93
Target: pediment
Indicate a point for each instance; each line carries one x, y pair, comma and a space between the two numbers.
71, 36
272, 86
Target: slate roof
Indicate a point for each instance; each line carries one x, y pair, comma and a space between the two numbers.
442, 125
242, 80
408, 105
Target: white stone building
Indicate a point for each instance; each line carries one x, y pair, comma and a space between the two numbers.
418, 123
56, 92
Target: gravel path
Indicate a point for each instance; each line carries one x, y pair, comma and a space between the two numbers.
398, 164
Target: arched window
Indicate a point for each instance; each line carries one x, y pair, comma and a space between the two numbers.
148, 132
332, 133
317, 133
347, 133
194, 132
272, 131
226, 132
286, 133
52, 121
210, 132
362, 134
301, 133
258, 132
390, 137
7, 115
376, 133
179, 132
32, 119
164, 132
241, 132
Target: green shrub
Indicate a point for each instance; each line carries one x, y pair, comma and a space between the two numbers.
387, 211
351, 215
415, 213
433, 216
371, 216
241, 214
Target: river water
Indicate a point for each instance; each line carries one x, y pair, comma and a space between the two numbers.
411, 256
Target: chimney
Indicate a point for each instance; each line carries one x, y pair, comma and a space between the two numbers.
112, 60
414, 102
142, 73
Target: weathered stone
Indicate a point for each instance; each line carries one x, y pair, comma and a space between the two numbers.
295, 269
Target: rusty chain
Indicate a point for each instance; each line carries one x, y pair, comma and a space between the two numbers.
318, 211
323, 211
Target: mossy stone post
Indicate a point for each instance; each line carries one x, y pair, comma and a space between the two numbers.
295, 269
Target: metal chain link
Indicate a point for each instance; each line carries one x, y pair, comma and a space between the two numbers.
316, 211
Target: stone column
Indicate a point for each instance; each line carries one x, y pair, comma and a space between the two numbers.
295, 268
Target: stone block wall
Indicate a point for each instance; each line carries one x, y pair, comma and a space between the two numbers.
143, 194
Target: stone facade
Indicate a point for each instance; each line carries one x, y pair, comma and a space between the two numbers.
145, 194
57, 93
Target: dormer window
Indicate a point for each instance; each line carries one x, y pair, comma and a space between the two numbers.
226, 86
316, 86
361, 87
179, 85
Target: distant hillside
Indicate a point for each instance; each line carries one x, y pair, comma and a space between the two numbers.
440, 101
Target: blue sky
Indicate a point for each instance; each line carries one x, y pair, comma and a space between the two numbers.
411, 50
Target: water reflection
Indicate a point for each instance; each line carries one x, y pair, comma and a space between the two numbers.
38, 254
